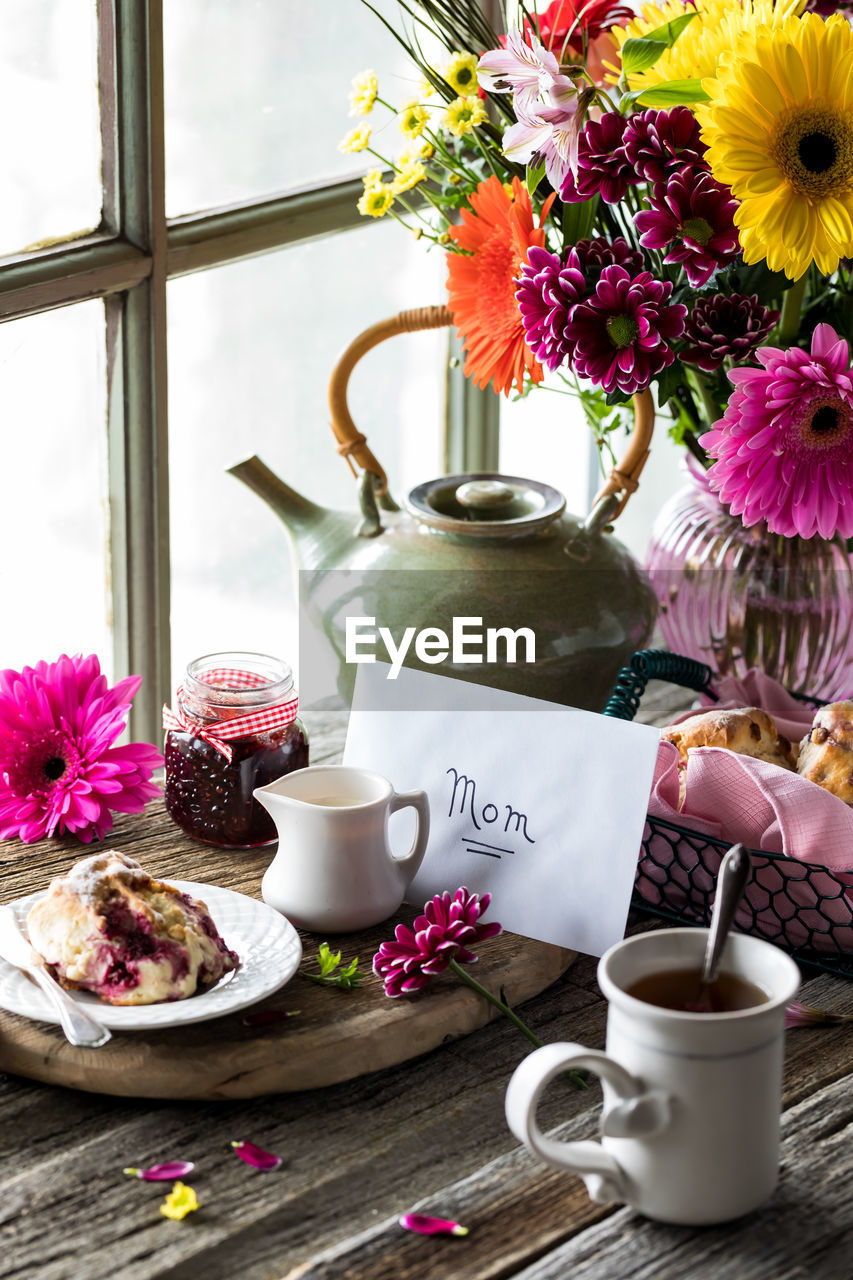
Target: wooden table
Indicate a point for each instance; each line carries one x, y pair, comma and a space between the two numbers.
427, 1135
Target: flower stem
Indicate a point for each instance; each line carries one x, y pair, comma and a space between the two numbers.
576, 1076
792, 305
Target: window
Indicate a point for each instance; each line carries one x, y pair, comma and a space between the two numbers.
159, 151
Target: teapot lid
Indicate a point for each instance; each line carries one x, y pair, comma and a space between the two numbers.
485, 504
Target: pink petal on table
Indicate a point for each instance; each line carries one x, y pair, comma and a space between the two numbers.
256, 1156
424, 1225
804, 1015
162, 1172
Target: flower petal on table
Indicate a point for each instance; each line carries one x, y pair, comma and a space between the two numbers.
256, 1156
425, 1225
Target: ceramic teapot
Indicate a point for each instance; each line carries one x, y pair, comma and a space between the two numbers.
497, 548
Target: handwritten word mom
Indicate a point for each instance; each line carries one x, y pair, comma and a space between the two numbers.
432, 645
465, 791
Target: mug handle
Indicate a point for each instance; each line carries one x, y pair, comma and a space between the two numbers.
637, 1112
419, 801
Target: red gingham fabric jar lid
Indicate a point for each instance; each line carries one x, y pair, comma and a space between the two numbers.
229, 695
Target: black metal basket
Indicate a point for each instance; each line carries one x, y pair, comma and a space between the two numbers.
800, 906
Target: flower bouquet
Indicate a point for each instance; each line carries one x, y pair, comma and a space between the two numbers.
659, 204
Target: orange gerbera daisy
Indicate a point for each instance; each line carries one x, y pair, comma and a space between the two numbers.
481, 283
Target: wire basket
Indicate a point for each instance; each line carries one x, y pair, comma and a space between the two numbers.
799, 906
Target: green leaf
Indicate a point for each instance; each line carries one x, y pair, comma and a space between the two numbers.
618, 397
640, 53
670, 31
331, 974
668, 93
668, 381
578, 220
534, 177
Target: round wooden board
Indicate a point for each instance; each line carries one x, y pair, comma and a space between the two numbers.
336, 1035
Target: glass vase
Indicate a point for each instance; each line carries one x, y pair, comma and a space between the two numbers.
738, 598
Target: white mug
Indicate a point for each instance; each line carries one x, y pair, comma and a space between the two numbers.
690, 1125
334, 870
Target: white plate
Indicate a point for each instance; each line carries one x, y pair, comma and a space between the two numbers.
267, 944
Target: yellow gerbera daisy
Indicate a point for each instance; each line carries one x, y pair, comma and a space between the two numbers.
356, 140
463, 115
363, 93
376, 201
779, 132
408, 176
717, 28
412, 119
461, 72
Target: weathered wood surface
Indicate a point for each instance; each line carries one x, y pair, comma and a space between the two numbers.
430, 1133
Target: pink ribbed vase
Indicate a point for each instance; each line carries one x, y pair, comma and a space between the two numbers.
738, 598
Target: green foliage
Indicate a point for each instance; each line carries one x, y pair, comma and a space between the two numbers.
667, 94
534, 177
578, 220
331, 974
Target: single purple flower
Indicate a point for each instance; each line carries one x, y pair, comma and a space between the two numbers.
594, 255
256, 1156
660, 143
425, 1225
602, 165
621, 334
724, 327
547, 291
162, 1172
692, 216
446, 931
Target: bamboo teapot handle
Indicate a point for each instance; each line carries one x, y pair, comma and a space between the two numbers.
608, 503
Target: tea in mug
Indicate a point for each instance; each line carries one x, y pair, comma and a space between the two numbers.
681, 989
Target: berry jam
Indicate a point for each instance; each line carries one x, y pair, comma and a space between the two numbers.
211, 798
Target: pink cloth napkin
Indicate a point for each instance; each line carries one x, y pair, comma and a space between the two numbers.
732, 797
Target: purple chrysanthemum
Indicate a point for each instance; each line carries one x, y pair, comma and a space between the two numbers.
784, 446
58, 768
621, 334
721, 327
594, 255
660, 143
693, 218
547, 292
445, 932
603, 167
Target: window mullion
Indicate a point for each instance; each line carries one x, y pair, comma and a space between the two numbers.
136, 336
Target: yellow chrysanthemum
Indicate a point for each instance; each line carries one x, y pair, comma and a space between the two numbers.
779, 132
412, 119
463, 115
363, 93
717, 29
376, 201
356, 140
419, 150
408, 176
461, 72
180, 1201
425, 88
372, 178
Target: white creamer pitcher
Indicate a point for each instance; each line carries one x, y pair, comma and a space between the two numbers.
334, 871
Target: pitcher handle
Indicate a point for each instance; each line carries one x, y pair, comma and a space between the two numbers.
419, 801
637, 1112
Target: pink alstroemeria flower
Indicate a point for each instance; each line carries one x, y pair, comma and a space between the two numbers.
527, 71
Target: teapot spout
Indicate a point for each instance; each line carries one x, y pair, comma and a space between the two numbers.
296, 512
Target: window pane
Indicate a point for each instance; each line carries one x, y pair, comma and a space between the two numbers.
52, 488
257, 94
51, 131
251, 349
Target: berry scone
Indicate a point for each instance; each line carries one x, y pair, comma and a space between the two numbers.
109, 928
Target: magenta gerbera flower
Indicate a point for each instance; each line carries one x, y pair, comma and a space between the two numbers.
547, 291
621, 334
58, 768
660, 143
596, 254
692, 217
446, 931
784, 446
602, 165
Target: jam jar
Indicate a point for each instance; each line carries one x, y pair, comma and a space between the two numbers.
242, 704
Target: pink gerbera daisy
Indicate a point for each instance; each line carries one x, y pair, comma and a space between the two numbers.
784, 447
58, 768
